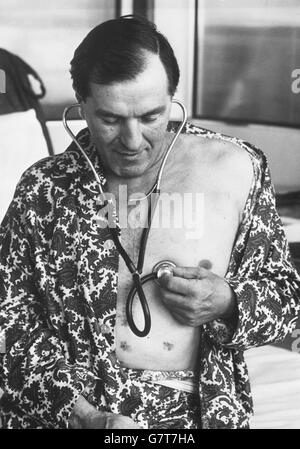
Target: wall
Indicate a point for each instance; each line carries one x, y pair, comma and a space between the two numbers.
281, 146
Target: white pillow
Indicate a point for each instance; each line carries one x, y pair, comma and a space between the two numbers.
21, 144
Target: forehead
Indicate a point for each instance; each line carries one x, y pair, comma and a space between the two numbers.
147, 90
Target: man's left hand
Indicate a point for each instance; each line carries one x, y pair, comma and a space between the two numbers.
195, 295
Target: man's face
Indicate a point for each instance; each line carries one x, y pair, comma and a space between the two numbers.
128, 120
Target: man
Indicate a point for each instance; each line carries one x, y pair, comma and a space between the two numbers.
71, 359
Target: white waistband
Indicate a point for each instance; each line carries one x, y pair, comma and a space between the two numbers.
187, 385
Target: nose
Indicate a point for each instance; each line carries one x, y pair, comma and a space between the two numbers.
131, 135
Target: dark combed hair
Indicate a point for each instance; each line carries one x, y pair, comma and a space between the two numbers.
114, 51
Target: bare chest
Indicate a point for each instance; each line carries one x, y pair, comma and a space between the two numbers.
189, 225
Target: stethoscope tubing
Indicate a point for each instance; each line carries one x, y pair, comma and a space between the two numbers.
138, 280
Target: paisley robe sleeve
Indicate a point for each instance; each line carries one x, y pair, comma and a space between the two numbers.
261, 273
36, 372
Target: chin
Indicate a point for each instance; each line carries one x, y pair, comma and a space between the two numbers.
130, 172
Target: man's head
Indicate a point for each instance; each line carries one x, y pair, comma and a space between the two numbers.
125, 74
115, 51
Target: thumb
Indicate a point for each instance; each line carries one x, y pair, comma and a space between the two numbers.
164, 279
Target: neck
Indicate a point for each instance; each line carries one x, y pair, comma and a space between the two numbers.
140, 184
137, 185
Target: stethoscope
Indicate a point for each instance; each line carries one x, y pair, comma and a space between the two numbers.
162, 267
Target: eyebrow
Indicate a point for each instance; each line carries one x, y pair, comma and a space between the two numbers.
106, 113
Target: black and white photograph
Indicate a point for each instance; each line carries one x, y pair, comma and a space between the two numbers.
150, 217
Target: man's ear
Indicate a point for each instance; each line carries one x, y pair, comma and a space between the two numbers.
80, 109
81, 112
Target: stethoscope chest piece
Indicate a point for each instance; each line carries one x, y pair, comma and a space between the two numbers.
163, 267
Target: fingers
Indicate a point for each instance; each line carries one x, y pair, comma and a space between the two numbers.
179, 317
174, 300
193, 283
189, 307
190, 318
175, 284
191, 272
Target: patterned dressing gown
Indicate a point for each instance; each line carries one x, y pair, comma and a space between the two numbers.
58, 291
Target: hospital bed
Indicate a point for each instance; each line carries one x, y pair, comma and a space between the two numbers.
275, 370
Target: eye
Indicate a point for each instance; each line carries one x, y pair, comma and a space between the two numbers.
110, 120
150, 118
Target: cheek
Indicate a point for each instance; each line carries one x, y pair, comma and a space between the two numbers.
101, 134
157, 133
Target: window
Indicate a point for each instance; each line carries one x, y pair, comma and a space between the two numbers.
247, 52
45, 35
